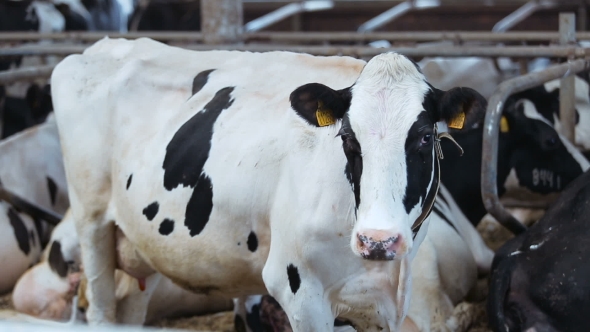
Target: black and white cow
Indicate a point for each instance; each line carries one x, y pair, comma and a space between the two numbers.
539, 280
30, 166
200, 158
528, 145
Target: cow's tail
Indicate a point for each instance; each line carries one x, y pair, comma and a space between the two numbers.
499, 284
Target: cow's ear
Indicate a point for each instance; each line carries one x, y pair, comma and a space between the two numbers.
461, 108
319, 104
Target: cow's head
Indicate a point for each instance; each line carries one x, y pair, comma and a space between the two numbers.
540, 159
387, 126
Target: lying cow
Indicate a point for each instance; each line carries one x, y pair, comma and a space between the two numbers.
523, 149
539, 279
47, 290
239, 164
30, 166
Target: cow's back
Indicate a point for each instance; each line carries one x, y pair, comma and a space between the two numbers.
138, 151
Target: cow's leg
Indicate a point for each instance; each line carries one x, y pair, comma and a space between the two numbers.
300, 294
133, 306
97, 242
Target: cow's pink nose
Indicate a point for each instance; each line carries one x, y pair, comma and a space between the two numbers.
378, 244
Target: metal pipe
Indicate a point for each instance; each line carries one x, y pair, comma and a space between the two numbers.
567, 88
521, 14
489, 184
286, 11
193, 36
29, 208
25, 73
355, 51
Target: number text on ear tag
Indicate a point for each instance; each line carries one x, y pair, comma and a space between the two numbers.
504, 125
324, 115
457, 122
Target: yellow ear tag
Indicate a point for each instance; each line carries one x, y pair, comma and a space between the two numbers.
324, 115
504, 125
458, 121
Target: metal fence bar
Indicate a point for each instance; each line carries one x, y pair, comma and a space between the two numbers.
489, 189
567, 91
25, 73
409, 36
355, 51
29, 208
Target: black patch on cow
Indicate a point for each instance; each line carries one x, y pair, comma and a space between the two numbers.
32, 238
166, 227
56, 260
188, 150
294, 278
239, 324
200, 80
354, 159
443, 216
129, 179
253, 319
199, 206
52, 187
186, 155
418, 161
20, 231
151, 210
252, 242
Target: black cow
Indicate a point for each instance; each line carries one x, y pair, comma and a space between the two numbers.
540, 278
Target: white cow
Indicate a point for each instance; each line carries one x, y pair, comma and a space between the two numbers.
30, 166
199, 159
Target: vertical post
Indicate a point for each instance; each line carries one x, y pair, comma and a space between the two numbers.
567, 91
582, 15
221, 21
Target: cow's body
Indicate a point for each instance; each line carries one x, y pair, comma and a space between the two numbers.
539, 280
254, 187
31, 167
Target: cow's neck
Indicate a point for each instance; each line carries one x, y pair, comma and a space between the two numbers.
461, 175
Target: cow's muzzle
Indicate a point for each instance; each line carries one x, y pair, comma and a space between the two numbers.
378, 245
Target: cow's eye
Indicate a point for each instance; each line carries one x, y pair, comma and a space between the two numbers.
426, 139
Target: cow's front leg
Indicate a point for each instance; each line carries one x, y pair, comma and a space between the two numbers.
97, 241
301, 295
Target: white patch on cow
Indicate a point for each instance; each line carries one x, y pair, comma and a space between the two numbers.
387, 99
50, 19
582, 104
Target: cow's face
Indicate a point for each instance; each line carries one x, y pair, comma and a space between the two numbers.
387, 120
541, 160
